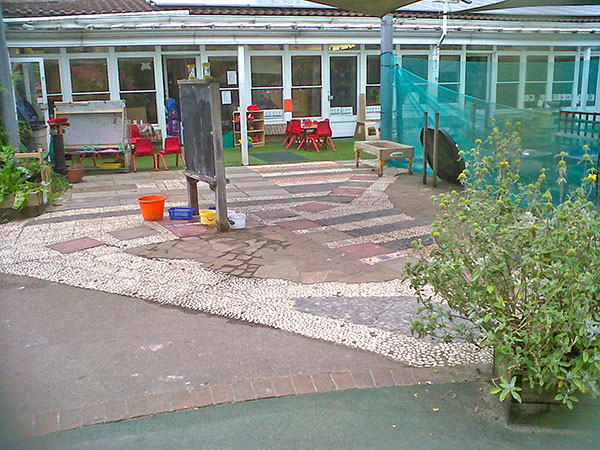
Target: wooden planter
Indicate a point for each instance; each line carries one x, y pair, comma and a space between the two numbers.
36, 204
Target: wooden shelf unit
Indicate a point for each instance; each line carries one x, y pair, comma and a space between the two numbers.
256, 127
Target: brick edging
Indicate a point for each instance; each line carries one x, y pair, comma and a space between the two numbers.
218, 394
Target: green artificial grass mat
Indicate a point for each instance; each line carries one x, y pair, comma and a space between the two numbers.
233, 156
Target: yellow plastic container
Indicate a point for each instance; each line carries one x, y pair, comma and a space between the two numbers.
208, 217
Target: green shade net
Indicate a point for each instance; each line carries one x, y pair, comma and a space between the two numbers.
467, 116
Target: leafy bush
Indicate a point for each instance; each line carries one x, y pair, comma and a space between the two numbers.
18, 178
514, 271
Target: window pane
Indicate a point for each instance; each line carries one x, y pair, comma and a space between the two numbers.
373, 69
537, 68
227, 110
141, 106
564, 68
177, 69
87, 49
373, 95
593, 80
313, 47
220, 47
220, 65
266, 71
181, 48
52, 99
506, 94
533, 91
52, 76
449, 69
135, 48
508, 68
343, 47
306, 70
416, 64
265, 47
90, 97
268, 98
89, 75
307, 102
136, 74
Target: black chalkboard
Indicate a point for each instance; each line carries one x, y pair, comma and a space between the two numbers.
199, 136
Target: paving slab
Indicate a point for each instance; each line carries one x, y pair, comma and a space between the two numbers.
314, 207
126, 234
75, 245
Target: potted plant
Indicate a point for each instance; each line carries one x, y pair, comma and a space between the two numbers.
516, 268
20, 182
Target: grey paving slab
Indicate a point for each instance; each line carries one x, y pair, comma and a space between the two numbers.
403, 244
356, 217
253, 184
386, 228
133, 233
277, 214
321, 187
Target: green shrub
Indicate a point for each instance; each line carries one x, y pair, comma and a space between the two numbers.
516, 270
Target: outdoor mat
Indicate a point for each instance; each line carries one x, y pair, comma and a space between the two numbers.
280, 157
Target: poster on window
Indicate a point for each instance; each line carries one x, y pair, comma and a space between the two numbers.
231, 77
226, 97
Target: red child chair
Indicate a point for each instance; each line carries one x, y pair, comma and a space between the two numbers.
143, 147
324, 134
135, 133
312, 138
288, 130
172, 145
296, 133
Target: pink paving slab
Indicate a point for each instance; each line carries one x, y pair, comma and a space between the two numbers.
75, 245
299, 224
366, 250
314, 207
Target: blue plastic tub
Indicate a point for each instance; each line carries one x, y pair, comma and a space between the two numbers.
181, 213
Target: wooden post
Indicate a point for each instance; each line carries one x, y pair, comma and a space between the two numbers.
425, 128
435, 148
192, 188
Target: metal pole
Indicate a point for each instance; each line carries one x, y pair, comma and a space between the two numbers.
7, 96
435, 148
425, 127
387, 75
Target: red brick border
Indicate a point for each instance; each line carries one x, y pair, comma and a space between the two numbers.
52, 421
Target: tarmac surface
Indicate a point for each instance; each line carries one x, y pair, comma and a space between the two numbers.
446, 416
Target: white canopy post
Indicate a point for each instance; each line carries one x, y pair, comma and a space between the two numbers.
387, 76
244, 90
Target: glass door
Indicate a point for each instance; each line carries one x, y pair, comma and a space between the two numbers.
29, 84
343, 94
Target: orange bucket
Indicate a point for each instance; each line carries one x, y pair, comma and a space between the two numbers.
153, 206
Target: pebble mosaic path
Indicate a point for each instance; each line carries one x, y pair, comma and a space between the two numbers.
332, 207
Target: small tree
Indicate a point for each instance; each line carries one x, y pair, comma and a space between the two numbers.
513, 271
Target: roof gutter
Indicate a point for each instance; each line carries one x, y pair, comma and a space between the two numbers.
167, 14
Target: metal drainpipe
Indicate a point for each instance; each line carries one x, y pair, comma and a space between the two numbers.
7, 97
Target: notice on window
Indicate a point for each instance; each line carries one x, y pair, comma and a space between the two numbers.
231, 77
226, 97
347, 110
288, 105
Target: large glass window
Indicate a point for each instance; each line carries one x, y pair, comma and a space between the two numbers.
536, 79
89, 79
306, 86
373, 80
137, 88
593, 81
53, 89
267, 82
562, 85
224, 70
449, 78
507, 88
